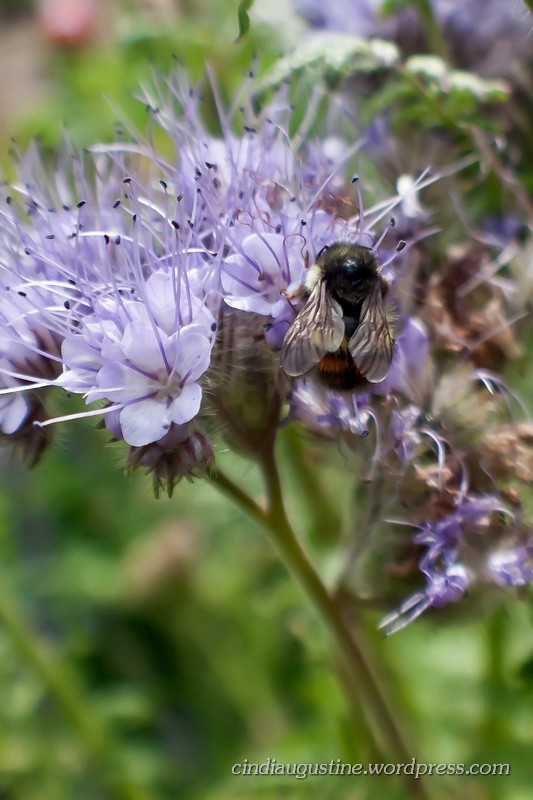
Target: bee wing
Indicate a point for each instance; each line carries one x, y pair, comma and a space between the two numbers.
318, 329
372, 344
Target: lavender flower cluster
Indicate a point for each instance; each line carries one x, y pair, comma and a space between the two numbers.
161, 290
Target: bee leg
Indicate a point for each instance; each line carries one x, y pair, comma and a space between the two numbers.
301, 293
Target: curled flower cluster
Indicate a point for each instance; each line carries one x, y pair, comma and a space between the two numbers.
162, 291
119, 284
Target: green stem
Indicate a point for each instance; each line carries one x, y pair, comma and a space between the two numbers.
431, 27
324, 516
62, 683
529, 4
225, 485
299, 563
387, 736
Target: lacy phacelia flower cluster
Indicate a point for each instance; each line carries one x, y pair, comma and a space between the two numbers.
161, 290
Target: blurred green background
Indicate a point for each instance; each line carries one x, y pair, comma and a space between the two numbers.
148, 645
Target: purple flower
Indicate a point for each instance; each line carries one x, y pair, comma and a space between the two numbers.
511, 565
323, 410
472, 544
144, 354
411, 372
14, 407
29, 337
120, 281
258, 278
154, 377
116, 307
270, 260
404, 436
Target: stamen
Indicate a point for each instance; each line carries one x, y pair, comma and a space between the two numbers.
408, 611
82, 415
349, 153
355, 180
441, 451
26, 388
491, 381
392, 223
488, 272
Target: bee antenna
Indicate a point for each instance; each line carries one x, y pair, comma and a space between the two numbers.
355, 180
392, 223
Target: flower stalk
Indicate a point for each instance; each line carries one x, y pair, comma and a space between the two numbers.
432, 28
361, 676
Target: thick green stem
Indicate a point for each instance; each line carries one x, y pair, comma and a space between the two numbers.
364, 682
62, 684
300, 565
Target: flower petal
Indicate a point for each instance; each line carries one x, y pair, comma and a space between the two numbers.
144, 422
144, 347
187, 405
192, 354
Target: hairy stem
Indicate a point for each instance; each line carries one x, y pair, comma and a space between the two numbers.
62, 684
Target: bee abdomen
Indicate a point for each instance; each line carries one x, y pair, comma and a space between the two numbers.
338, 371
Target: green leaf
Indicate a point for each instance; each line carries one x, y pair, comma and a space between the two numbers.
244, 18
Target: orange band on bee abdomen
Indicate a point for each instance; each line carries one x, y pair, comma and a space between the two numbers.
338, 371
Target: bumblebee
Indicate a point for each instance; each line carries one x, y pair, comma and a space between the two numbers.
344, 330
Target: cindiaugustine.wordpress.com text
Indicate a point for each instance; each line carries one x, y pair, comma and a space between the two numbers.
417, 769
